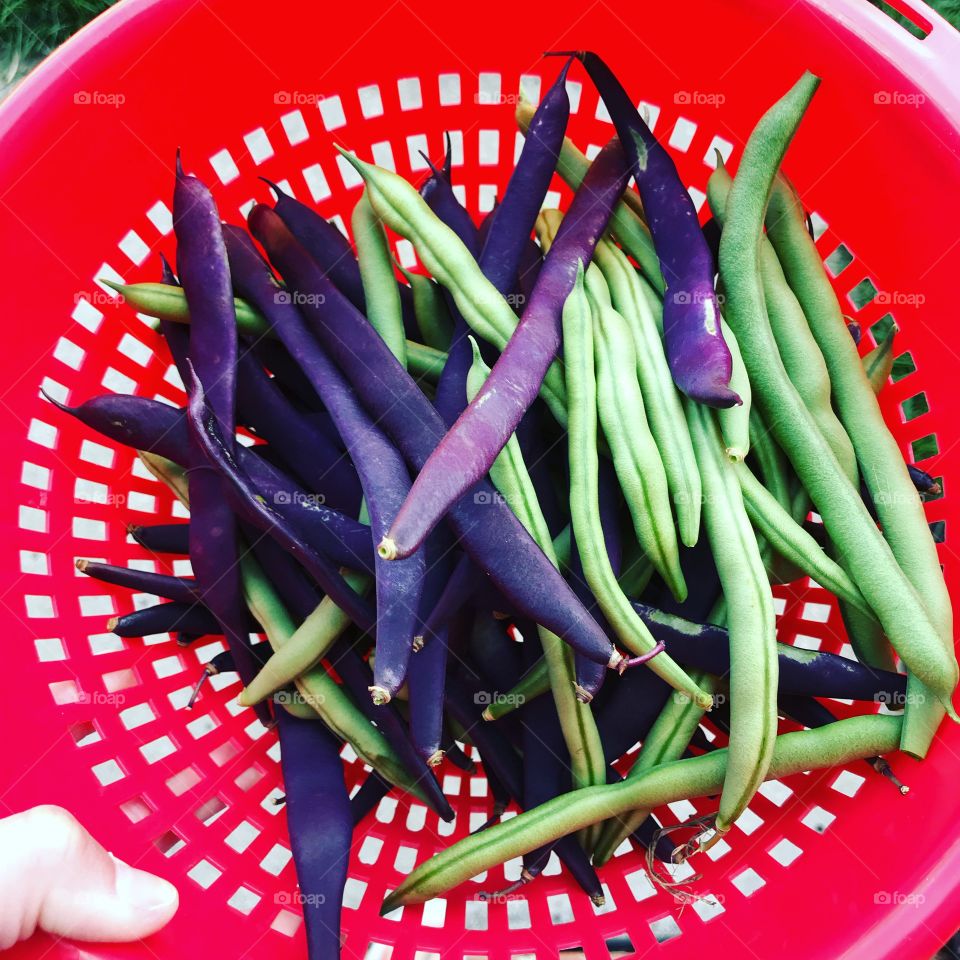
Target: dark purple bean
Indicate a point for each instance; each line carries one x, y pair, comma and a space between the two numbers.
321, 827
382, 471
471, 445
181, 589
457, 593
628, 713
700, 572
487, 529
514, 217
150, 425
251, 506
289, 377
529, 271
810, 673
322, 467
192, 618
162, 537
205, 278
699, 358
368, 797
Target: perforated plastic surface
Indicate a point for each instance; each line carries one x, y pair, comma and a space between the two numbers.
821, 863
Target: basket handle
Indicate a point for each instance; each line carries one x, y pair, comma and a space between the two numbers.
927, 62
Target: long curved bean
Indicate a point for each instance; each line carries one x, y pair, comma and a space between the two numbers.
751, 620
510, 476
430, 309
447, 258
486, 528
636, 457
700, 776
380, 290
660, 396
735, 421
899, 507
866, 554
584, 495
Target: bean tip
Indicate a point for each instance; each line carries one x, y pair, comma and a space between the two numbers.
379, 695
582, 694
82, 564
617, 661
112, 624
598, 899
486, 715
736, 454
418, 642
435, 758
387, 549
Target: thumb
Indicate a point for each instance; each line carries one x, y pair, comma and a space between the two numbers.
55, 877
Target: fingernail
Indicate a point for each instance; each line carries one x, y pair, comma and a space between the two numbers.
142, 890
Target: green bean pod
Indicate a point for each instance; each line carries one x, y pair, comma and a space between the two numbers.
509, 475
792, 542
380, 290
735, 421
899, 506
668, 738
444, 254
866, 555
534, 683
304, 649
169, 303
770, 461
636, 458
837, 743
625, 223
584, 494
751, 620
634, 300
430, 309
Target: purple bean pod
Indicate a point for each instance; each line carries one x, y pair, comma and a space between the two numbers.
382, 471
513, 219
252, 507
485, 526
150, 425
192, 618
321, 826
368, 797
162, 537
181, 589
205, 278
469, 448
809, 673
326, 471
699, 358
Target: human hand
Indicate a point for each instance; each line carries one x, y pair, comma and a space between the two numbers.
55, 877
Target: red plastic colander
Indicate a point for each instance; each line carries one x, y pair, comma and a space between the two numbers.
822, 865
